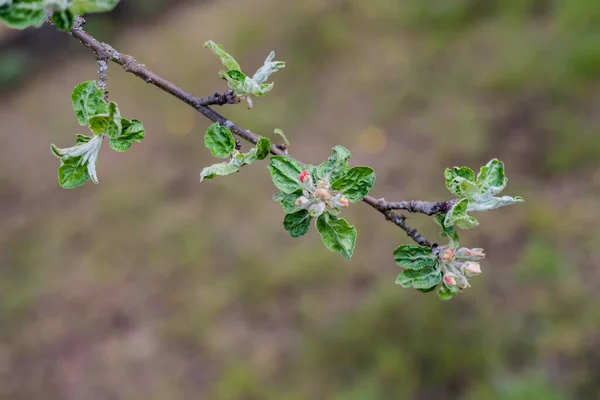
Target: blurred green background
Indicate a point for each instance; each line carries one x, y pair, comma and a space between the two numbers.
153, 286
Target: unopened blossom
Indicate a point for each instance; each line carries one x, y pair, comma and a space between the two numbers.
447, 255
471, 268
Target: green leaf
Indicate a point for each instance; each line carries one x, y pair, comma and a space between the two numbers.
82, 156
414, 257
63, 20
458, 216
424, 279
336, 165
88, 101
279, 132
219, 140
337, 234
287, 200
446, 293
356, 183
72, 173
260, 152
83, 139
220, 169
449, 232
285, 172
79, 7
463, 172
297, 224
269, 67
108, 123
463, 188
20, 14
227, 60
491, 177
133, 131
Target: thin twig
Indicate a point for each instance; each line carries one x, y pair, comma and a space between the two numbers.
418, 206
104, 51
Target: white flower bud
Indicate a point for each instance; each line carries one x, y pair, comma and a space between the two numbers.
316, 209
301, 202
471, 268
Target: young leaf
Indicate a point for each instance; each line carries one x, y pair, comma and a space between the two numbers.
263, 148
297, 224
458, 216
227, 60
88, 101
491, 177
279, 132
480, 193
423, 279
337, 234
463, 172
133, 131
336, 165
488, 203
73, 159
20, 14
287, 200
356, 183
219, 140
82, 139
463, 188
448, 231
414, 257
79, 7
267, 69
63, 20
285, 172
108, 123
260, 152
220, 169
72, 173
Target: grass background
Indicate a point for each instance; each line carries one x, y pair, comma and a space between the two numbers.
153, 286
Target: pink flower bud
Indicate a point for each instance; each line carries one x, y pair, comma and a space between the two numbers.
450, 280
447, 255
344, 202
323, 184
321, 194
478, 252
470, 254
301, 201
471, 268
304, 176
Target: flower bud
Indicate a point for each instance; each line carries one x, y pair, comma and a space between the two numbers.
305, 177
301, 201
321, 194
344, 201
462, 282
447, 255
323, 184
450, 280
316, 209
470, 254
471, 268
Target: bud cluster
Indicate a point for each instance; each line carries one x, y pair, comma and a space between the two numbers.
318, 197
459, 265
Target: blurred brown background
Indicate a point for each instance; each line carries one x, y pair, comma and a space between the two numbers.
153, 286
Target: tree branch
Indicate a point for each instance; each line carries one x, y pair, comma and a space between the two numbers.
417, 206
104, 51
